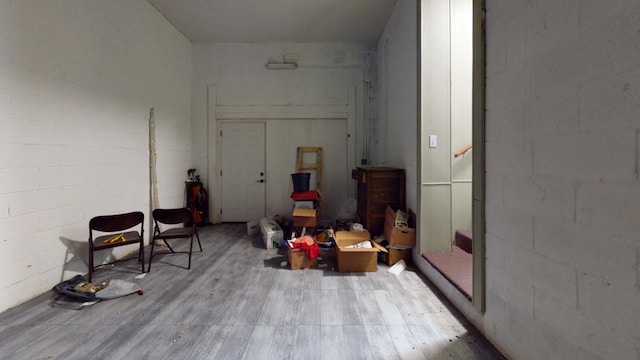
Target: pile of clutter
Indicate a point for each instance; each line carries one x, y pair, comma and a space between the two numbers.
350, 244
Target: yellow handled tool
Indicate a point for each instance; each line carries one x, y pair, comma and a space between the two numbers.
115, 238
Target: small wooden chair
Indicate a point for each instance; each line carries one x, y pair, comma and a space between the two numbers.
122, 232
173, 217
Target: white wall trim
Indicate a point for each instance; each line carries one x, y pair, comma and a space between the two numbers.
228, 112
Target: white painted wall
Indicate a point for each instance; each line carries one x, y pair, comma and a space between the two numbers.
77, 80
237, 70
398, 125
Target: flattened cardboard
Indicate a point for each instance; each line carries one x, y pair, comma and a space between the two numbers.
356, 259
398, 237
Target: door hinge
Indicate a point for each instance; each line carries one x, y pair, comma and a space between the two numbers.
220, 211
221, 133
220, 172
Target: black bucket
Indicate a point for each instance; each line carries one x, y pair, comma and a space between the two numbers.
300, 181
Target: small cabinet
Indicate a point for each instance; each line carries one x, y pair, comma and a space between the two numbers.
377, 188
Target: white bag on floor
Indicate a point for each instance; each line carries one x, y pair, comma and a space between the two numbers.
398, 267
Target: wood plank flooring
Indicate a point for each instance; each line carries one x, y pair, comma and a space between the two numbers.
238, 302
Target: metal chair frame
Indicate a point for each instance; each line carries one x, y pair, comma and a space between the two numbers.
121, 232
173, 217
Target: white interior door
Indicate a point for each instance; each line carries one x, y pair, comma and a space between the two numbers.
243, 171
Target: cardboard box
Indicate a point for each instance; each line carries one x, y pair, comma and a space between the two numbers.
305, 217
272, 234
298, 259
394, 255
356, 259
398, 237
253, 227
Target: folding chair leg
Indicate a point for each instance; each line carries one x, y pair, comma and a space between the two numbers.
141, 254
190, 251
153, 243
168, 246
200, 245
90, 264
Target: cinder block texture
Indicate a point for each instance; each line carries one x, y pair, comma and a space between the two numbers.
566, 209
77, 81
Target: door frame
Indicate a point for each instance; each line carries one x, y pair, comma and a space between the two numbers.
479, 163
220, 152
478, 301
252, 113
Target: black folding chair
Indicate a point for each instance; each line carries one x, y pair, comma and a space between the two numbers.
174, 217
122, 232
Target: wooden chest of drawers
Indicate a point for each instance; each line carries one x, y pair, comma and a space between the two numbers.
377, 188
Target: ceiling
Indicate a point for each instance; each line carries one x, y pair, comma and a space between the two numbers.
277, 20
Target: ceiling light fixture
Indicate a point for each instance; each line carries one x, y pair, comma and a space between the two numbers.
289, 61
282, 65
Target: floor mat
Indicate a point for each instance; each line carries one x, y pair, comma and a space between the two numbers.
456, 266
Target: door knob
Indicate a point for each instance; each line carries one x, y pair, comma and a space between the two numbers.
260, 181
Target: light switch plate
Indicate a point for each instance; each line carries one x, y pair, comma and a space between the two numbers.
433, 141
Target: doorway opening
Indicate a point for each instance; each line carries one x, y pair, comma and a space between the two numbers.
452, 137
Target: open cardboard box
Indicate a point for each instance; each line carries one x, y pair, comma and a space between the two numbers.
356, 259
394, 255
398, 237
298, 259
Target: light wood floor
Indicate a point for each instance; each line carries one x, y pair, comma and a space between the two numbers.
237, 302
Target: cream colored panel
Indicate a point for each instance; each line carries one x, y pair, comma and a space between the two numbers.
461, 207
436, 91
436, 219
461, 89
462, 167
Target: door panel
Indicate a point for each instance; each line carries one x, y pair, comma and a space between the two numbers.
288, 135
243, 170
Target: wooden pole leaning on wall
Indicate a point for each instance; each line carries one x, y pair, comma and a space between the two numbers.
317, 166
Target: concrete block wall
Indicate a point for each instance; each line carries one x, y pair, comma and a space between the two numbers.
563, 190
77, 81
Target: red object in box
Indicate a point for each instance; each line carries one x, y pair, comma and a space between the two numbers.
305, 195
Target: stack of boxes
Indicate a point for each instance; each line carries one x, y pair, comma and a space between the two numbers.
306, 204
401, 238
305, 210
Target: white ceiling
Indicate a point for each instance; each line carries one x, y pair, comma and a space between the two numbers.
277, 20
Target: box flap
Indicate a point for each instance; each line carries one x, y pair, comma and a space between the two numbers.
378, 246
344, 238
390, 214
353, 235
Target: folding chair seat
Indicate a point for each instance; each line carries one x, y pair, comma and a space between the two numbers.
169, 217
114, 231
